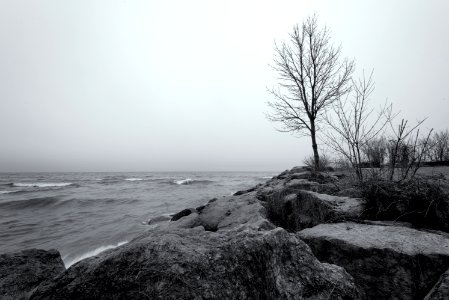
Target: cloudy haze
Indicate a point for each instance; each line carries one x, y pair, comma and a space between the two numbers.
181, 85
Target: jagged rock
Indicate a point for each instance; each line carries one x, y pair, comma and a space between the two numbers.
182, 213
198, 264
297, 210
295, 182
238, 193
387, 262
21, 272
441, 290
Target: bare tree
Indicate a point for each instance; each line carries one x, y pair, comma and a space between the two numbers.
312, 76
439, 149
352, 125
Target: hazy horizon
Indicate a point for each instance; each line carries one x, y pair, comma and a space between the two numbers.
181, 86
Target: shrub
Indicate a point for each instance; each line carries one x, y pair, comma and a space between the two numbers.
324, 164
375, 151
421, 202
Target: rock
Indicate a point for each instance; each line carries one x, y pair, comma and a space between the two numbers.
238, 193
21, 272
387, 262
189, 221
197, 264
350, 192
236, 213
200, 208
441, 289
298, 210
182, 213
158, 219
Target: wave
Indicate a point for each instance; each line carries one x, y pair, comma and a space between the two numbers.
183, 181
187, 181
31, 203
7, 192
133, 179
94, 252
41, 184
266, 177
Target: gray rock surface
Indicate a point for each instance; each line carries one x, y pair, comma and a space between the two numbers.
387, 262
199, 264
21, 272
302, 209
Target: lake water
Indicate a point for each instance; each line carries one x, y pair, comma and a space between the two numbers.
82, 214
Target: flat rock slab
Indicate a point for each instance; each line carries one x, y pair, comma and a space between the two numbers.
387, 262
21, 272
199, 264
296, 210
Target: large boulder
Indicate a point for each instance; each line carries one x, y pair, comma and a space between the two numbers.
242, 212
296, 210
235, 213
199, 264
387, 262
293, 182
21, 272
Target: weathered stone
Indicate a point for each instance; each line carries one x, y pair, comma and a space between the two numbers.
387, 262
21, 272
238, 193
237, 213
297, 210
189, 221
197, 264
441, 289
350, 192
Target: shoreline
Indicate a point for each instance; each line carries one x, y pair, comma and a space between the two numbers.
305, 226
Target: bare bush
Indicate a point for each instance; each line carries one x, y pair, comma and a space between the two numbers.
353, 126
406, 150
421, 202
325, 163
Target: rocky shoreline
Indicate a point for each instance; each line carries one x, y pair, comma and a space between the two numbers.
298, 236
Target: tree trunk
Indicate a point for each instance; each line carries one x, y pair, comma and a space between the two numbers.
316, 156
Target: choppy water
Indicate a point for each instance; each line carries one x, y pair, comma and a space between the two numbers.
82, 214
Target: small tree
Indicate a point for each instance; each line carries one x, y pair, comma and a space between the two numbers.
311, 76
353, 126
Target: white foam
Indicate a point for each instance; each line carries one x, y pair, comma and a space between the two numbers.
41, 184
6, 192
184, 181
133, 179
266, 177
94, 252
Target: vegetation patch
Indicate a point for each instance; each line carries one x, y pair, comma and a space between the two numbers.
422, 202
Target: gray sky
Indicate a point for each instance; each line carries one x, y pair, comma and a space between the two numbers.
181, 85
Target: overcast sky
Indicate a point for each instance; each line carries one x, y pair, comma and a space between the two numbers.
181, 85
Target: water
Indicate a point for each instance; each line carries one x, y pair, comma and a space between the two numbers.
82, 214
